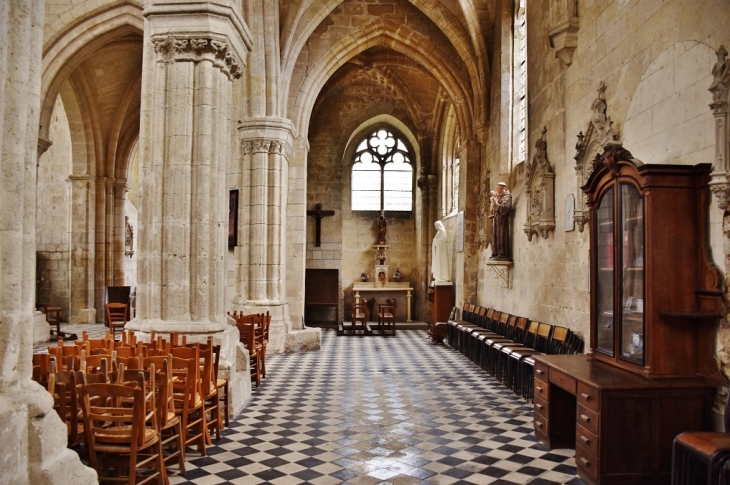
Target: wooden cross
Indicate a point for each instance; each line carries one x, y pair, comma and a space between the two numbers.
319, 214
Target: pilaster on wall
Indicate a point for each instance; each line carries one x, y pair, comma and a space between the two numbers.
83, 249
34, 436
466, 284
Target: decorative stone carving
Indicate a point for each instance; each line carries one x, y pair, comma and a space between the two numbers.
540, 190
128, 238
178, 49
258, 145
597, 136
564, 25
720, 183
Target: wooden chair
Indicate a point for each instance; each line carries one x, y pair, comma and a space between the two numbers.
116, 316
122, 433
247, 325
209, 387
700, 456
41, 368
173, 447
386, 319
359, 318
266, 325
222, 385
67, 405
189, 401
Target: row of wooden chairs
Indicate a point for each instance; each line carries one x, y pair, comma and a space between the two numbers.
253, 330
504, 344
360, 321
198, 396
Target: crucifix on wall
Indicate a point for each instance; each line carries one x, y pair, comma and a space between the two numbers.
318, 215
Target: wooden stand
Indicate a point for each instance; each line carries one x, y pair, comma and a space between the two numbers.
441, 304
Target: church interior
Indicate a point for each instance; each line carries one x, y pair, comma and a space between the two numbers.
564, 161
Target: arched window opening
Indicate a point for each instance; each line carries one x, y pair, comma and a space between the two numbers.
382, 174
520, 80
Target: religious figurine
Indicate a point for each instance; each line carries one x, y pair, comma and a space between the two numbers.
380, 256
500, 225
493, 204
440, 267
382, 229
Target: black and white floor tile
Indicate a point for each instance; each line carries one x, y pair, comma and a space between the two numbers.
380, 410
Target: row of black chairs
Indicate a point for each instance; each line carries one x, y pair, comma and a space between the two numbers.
504, 344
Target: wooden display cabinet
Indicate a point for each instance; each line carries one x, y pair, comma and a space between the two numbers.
655, 298
655, 293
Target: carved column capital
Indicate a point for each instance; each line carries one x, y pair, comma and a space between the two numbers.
179, 48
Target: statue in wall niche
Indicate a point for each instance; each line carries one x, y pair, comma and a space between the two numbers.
382, 229
502, 199
440, 267
719, 87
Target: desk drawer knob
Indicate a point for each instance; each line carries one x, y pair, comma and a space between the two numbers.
585, 418
585, 462
585, 439
585, 396
538, 388
538, 406
538, 424
538, 371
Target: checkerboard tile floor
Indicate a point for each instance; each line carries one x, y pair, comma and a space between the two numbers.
380, 410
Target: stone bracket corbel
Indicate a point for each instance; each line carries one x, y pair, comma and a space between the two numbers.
564, 39
502, 271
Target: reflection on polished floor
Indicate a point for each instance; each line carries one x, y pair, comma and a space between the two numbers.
380, 410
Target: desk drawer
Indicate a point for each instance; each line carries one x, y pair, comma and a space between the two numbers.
542, 427
587, 464
587, 418
541, 389
541, 407
541, 371
563, 381
586, 439
587, 396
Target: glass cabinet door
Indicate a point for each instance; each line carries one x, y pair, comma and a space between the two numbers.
605, 271
632, 281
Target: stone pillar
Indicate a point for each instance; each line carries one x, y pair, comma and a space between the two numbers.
266, 146
192, 54
470, 162
83, 209
34, 436
121, 188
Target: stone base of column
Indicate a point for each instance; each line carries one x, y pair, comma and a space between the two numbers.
281, 336
304, 340
84, 315
41, 328
28, 417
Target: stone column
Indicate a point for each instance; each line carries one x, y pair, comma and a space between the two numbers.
121, 188
192, 54
34, 437
469, 184
83, 209
266, 145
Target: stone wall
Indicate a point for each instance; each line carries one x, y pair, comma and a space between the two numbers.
655, 59
52, 222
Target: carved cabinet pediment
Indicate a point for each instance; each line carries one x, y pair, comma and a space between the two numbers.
540, 191
588, 149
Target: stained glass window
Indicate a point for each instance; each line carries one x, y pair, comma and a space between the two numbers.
382, 174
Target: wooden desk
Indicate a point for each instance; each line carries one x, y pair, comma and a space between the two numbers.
620, 424
358, 288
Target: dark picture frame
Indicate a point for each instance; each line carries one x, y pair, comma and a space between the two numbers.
233, 218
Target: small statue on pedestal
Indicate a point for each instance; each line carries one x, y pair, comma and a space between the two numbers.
382, 229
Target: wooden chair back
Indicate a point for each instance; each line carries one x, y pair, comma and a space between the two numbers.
118, 420
116, 316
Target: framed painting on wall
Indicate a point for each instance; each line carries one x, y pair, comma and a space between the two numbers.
233, 218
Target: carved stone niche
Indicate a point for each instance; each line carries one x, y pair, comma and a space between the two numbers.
720, 183
540, 190
590, 145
